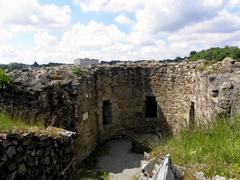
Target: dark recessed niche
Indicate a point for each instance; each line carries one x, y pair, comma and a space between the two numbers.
107, 112
151, 106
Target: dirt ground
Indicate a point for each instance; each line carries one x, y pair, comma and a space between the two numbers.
120, 162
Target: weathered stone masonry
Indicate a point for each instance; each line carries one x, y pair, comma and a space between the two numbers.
29, 156
112, 100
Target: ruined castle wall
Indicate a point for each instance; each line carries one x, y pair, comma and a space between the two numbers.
183, 96
76, 102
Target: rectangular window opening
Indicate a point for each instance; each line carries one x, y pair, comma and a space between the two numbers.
151, 106
107, 112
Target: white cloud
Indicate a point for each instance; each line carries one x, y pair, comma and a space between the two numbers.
171, 15
110, 5
160, 29
44, 40
16, 11
93, 39
30, 14
7, 53
27, 16
223, 23
92, 35
161, 15
122, 19
233, 3
5, 35
52, 16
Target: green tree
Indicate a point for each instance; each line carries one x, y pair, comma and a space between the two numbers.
192, 53
216, 54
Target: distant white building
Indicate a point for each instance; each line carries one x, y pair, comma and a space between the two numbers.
85, 61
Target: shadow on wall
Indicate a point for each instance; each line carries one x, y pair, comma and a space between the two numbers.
165, 129
153, 110
155, 117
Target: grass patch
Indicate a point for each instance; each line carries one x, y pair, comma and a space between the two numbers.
21, 125
8, 123
213, 149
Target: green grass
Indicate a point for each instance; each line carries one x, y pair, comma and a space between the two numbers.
5, 80
8, 123
215, 149
21, 125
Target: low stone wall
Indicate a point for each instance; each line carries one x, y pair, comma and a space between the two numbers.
28, 156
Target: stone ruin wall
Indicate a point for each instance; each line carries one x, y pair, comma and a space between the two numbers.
74, 102
217, 91
172, 85
124, 87
127, 88
30, 156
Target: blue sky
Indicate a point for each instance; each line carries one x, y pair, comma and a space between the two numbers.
60, 31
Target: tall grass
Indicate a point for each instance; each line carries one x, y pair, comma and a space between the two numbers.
8, 123
21, 125
213, 149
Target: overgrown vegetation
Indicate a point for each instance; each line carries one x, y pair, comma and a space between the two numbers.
5, 80
79, 71
21, 125
215, 149
216, 54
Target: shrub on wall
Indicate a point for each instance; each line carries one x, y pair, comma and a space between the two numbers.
79, 71
5, 80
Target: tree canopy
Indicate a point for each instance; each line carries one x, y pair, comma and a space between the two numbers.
216, 54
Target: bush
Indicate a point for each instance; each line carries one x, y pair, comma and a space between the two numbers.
5, 80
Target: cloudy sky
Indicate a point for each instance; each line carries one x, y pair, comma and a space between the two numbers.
62, 30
